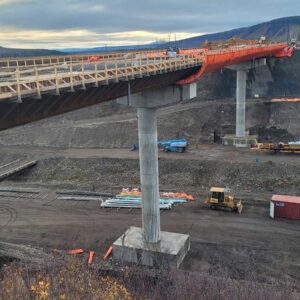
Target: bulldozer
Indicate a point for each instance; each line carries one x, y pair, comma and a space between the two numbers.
223, 198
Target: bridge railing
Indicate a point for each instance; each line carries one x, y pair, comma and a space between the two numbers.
45, 61
54, 79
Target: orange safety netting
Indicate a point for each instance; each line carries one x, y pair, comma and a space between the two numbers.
178, 195
136, 192
213, 60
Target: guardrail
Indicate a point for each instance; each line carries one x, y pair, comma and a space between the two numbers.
45, 61
35, 81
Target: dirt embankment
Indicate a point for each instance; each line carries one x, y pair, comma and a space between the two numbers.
110, 126
280, 77
179, 174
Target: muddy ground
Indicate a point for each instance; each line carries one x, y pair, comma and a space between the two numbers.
244, 246
83, 151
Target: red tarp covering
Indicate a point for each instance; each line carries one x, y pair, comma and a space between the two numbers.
214, 60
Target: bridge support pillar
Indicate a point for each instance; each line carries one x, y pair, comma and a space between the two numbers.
241, 139
148, 245
241, 81
148, 153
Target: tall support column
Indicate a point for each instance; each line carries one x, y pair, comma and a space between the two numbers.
240, 139
148, 245
148, 153
241, 81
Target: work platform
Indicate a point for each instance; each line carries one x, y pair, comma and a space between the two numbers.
167, 254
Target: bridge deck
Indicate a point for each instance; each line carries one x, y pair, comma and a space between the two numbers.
37, 81
36, 88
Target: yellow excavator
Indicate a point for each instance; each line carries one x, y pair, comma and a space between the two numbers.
223, 198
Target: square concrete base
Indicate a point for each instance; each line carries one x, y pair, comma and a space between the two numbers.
232, 140
169, 253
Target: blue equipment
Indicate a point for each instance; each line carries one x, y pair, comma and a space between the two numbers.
168, 146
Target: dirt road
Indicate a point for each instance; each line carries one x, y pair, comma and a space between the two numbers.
237, 245
200, 152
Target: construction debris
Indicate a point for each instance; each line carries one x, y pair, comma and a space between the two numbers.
126, 199
75, 251
20, 192
133, 203
82, 196
291, 147
91, 257
133, 199
136, 192
178, 195
84, 193
108, 253
162, 200
24, 190
79, 198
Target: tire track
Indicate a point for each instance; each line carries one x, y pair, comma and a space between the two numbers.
12, 216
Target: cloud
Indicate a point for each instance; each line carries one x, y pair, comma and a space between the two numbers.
8, 2
97, 18
79, 38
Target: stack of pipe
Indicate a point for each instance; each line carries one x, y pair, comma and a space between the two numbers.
137, 193
161, 200
132, 201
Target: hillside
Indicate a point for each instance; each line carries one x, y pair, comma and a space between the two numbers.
13, 52
279, 78
105, 49
282, 29
277, 30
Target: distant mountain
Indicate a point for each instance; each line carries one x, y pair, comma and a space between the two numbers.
282, 29
13, 52
108, 48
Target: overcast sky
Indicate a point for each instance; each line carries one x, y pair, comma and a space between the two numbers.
90, 23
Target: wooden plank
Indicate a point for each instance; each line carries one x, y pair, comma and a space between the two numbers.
15, 169
37, 82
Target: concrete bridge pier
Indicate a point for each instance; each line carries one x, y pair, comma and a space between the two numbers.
147, 127
241, 82
241, 138
148, 245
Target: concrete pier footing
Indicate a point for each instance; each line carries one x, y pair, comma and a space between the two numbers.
239, 142
169, 253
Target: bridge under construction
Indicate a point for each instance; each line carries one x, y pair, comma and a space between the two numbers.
36, 88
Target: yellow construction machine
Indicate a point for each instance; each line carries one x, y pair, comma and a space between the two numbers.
223, 198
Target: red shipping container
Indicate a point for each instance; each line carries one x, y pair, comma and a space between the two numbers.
283, 206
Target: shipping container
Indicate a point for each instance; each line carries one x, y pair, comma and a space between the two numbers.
282, 206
